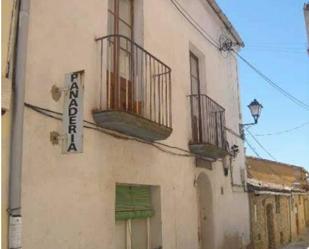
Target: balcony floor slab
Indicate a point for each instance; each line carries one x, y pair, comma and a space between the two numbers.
208, 150
131, 124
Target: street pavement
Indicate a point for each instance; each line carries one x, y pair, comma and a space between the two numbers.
302, 243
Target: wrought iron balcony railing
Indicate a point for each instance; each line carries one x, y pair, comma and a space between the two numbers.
134, 81
208, 125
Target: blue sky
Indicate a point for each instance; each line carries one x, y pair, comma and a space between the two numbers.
275, 37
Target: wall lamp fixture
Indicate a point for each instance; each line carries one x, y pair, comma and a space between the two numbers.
234, 150
255, 109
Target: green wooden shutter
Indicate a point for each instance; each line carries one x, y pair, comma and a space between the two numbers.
133, 202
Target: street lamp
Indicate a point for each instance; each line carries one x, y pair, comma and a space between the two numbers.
255, 108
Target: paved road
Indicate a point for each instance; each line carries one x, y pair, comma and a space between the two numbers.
303, 243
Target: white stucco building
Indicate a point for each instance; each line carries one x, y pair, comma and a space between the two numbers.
158, 78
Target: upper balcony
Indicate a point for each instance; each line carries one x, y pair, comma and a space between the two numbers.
208, 127
135, 90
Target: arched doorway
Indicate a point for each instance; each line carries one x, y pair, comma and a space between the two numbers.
205, 213
270, 226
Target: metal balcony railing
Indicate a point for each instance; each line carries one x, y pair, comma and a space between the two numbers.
208, 121
133, 80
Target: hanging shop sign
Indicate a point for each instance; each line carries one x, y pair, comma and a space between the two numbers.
73, 113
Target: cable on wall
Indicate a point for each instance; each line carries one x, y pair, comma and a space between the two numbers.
51, 114
195, 24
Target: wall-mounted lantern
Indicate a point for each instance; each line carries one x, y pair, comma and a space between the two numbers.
234, 150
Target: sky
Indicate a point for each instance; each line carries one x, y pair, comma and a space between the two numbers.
275, 40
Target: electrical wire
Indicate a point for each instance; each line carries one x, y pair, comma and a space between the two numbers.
195, 24
51, 114
280, 51
213, 42
258, 155
253, 149
284, 131
277, 47
263, 148
274, 85
267, 79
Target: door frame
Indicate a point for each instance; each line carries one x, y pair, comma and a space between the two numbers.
199, 131
114, 14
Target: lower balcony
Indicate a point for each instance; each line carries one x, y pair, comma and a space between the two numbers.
131, 124
135, 90
208, 128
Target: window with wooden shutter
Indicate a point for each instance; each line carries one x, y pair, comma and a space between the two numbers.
133, 202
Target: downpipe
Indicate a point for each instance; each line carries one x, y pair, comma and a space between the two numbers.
16, 147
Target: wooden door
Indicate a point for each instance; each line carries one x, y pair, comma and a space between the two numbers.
120, 89
195, 99
270, 226
205, 213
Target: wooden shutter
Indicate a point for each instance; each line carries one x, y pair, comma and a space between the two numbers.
133, 202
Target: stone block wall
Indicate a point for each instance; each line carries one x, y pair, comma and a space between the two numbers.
298, 221
306, 209
259, 224
288, 216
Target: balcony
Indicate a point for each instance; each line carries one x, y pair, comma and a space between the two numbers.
208, 127
135, 90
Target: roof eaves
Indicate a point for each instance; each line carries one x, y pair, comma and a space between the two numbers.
228, 25
275, 162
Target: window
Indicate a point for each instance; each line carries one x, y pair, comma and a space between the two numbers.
277, 200
120, 17
194, 74
137, 219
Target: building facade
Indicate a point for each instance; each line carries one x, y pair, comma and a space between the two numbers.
278, 195
156, 84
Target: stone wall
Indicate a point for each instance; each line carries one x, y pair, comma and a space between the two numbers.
284, 209
306, 209
298, 223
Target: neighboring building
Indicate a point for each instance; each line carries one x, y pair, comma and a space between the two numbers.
8, 32
278, 195
306, 13
126, 191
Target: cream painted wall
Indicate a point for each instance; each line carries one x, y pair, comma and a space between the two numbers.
68, 200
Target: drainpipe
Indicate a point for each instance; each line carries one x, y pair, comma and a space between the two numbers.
17, 127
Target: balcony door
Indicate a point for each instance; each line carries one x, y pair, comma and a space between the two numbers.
195, 99
120, 56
